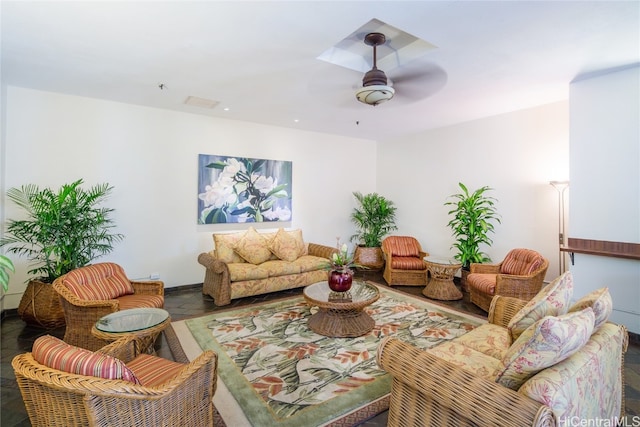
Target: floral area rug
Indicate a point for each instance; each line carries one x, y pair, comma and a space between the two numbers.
280, 373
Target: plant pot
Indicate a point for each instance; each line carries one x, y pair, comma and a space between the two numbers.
372, 258
40, 306
340, 281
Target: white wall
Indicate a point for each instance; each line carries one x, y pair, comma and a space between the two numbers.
516, 154
150, 158
605, 184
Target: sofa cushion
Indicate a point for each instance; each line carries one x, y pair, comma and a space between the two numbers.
312, 263
98, 282
545, 343
552, 300
223, 244
239, 272
154, 371
601, 303
57, 354
521, 262
468, 359
489, 339
279, 267
287, 245
252, 247
589, 383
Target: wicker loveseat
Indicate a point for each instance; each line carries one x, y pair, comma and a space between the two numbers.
529, 365
67, 386
91, 292
251, 263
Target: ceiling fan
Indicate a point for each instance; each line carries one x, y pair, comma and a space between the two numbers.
374, 88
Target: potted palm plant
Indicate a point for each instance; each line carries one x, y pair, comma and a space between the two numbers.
5, 264
473, 217
62, 231
374, 218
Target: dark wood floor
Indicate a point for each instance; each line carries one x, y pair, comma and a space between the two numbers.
188, 301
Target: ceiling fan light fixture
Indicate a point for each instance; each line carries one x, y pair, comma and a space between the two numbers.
375, 94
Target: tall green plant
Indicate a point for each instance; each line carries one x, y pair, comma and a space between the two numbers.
473, 216
374, 217
63, 230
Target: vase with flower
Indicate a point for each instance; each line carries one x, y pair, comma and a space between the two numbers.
340, 271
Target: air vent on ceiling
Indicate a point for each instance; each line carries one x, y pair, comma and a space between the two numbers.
200, 102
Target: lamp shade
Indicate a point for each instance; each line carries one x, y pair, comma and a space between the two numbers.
375, 94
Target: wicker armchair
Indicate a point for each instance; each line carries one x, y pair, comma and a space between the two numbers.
56, 398
519, 275
90, 292
404, 261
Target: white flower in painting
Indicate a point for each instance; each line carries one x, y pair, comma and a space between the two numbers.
262, 183
232, 168
281, 214
218, 195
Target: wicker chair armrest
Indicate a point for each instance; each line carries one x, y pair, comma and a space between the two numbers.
423, 254
455, 390
204, 367
485, 268
322, 251
503, 309
148, 287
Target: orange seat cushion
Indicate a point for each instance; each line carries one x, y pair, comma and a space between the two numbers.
408, 263
141, 301
152, 371
483, 282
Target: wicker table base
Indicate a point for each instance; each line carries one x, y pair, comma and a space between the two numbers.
341, 317
441, 286
147, 333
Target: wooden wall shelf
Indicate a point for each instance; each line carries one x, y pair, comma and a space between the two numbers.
602, 248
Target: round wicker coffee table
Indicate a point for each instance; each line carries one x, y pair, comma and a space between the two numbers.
341, 314
440, 285
144, 323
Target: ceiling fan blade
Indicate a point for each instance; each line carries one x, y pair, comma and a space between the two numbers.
418, 80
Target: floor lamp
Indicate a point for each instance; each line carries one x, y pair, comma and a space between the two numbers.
561, 186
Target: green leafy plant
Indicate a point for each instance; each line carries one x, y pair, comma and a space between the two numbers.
374, 217
473, 216
5, 264
63, 230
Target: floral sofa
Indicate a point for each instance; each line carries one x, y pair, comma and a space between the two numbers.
252, 263
542, 362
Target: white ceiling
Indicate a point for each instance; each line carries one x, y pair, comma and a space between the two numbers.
260, 59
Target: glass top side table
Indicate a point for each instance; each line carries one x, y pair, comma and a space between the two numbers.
145, 323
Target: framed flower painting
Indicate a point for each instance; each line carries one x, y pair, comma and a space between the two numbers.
240, 189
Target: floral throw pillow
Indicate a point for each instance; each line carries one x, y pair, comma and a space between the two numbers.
601, 303
287, 245
253, 247
545, 343
552, 300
